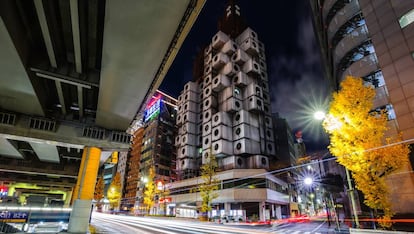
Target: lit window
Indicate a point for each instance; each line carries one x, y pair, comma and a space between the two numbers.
406, 19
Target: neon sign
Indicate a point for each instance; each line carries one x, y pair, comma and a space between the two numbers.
153, 108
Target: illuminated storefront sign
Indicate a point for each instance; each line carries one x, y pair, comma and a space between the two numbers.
153, 108
13, 217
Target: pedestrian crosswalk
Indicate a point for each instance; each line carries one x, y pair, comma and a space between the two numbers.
291, 229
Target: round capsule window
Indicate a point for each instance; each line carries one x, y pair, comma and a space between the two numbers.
239, 162
264, 161
238, 131
238, 146
237, 118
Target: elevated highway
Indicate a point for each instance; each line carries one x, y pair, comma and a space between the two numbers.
75, 75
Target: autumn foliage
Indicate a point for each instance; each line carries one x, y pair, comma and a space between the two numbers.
150, 190
357, 140
114, 191
209, 184
99, 192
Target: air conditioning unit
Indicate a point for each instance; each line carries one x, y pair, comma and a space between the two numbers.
189, 128
266, 97
230, 69
186, 164
263, 76
268, 122
269, 134
179, 119
222, 132
190, 106
254, 134
177, 142
207, 91
270, 148
265, 87
219, 60
262, 64
241, 79
209, 103
252, 89
219, 40
221, 118
205, 156
189, 117
222, 148
251, 46
241, 131
261, 46
220, 82
206, 129
258, 162
244, 146
208, 114
206, 142
187, 151
247, 33
240, 57
190, 96
191, 86
252, 68
253, 104
241, 117
267, 109
229, 47
233, 162
207, 81
180, 98
231, 105
208, 50
208, 58
189, 139
224, 94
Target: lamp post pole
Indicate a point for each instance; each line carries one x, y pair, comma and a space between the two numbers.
351, 195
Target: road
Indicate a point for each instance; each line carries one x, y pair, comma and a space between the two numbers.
121, 224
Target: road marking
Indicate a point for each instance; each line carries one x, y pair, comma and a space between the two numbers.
320, 225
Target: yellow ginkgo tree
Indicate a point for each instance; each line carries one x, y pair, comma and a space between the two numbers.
150, 190
209, 185
99, 193
357, 139
114, 191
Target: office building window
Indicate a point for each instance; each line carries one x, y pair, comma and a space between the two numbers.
406, 19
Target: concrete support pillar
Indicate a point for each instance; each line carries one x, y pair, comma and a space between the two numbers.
278, 211
227, 208
262, 210
84, 190
273, 213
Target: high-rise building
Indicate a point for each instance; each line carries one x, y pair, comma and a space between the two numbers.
226, 111
152, 147
132, 171
375, 40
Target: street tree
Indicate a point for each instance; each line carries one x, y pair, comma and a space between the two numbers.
150, 190
210, 184
114, 191
357, 139
99, 193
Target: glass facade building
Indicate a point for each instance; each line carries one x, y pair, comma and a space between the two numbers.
374, 40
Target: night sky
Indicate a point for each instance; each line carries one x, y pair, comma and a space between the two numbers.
296, 83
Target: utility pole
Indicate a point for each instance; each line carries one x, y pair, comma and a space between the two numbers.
351, 195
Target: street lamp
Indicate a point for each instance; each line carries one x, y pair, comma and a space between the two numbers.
333, 123
308, 181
